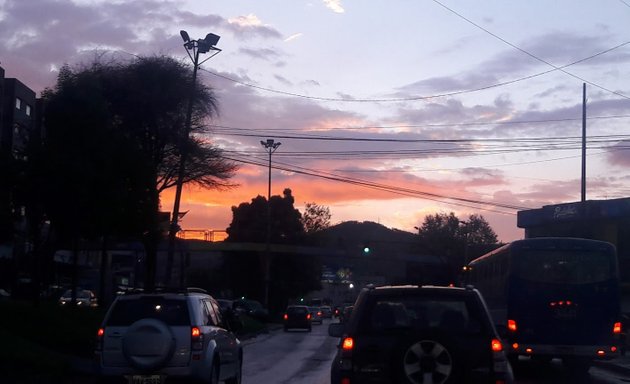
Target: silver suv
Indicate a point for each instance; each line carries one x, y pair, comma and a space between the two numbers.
151, 337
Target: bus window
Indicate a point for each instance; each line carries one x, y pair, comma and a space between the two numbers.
564, 267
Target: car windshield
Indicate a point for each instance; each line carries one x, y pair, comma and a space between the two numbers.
81, 294
170, 311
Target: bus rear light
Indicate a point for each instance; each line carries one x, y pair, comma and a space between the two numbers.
347, 344
617, 328
496, 345
511, 324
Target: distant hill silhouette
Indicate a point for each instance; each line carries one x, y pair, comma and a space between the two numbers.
350, 235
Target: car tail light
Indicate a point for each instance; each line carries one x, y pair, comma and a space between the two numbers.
99, 338
511, 324
347, 344
308, 316
196, 338
617, 328
319, 313
345, 380
286, 317
496, 345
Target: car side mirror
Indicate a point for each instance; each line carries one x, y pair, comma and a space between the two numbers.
335, 329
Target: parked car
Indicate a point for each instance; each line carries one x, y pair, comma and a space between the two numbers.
316, 315
251, 308
156, 337
85, 298
326, 312
412, 334
297, 316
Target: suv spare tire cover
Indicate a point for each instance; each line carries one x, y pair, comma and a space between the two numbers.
148, 344
428, 357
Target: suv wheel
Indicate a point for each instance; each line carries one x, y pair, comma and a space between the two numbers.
214, 376
429, 358
238, 375
148, 344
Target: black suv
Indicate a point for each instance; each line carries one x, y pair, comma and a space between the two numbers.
413, 334
148, 338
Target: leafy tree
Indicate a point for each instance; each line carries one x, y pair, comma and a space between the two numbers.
291, 275
115, 132
457, 240
249, 221
315, 218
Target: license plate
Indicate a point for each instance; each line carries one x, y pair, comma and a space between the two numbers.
145, 379
565, 313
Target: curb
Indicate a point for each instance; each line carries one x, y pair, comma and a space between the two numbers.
613, 366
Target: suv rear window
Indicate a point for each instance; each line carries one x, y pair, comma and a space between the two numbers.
170, 311
297, 310
451, 314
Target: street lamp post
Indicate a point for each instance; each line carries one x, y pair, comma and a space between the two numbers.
193, 48
270, 145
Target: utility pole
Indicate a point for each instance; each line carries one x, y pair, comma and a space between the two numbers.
270, 145
583, 142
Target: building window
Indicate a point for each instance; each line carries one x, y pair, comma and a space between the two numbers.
28, 110
18, 103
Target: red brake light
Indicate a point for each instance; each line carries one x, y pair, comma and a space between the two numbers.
617, 328
286, 317
196, 338
99, 339
512, 325
308, 316
496, 345
347, 344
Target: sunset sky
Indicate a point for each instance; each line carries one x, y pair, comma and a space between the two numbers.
386, 110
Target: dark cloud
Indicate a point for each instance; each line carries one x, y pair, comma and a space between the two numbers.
557, 48
619, 154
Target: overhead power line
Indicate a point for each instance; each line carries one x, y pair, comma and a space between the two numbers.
447, 94
406, 126
561, 68
383, 187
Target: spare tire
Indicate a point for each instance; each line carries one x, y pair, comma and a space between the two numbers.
148, 344
428, 357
